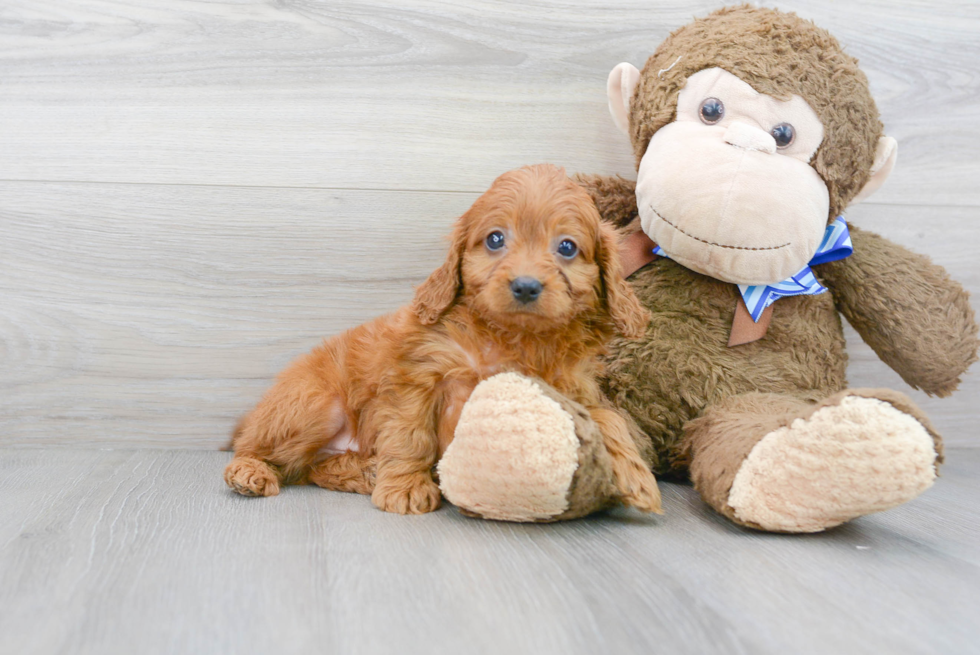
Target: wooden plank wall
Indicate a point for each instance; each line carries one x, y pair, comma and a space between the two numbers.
193, 192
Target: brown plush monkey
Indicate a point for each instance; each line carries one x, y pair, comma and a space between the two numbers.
753, 131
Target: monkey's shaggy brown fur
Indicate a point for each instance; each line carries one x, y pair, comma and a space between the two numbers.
705, 405
914, 316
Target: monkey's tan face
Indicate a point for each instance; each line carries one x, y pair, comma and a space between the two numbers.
727, 189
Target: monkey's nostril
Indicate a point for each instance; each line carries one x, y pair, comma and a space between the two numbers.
525, 289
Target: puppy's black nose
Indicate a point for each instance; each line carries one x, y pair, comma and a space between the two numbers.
525, 289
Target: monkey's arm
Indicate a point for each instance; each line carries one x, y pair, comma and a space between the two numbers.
614, 196
912, 314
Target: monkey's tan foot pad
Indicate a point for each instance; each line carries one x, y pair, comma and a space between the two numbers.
524, 452
844, 461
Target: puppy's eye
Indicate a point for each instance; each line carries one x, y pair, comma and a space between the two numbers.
495, 240
712, 110
567, 249
784, 134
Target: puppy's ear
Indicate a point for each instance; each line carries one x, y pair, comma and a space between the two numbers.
434, 296
628, 315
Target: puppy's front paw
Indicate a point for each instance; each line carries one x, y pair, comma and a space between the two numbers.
251, 477
413, 494
637, 486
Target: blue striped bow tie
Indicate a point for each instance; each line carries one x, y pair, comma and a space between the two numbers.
836, 245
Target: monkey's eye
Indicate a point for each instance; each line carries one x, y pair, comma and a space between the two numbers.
784, 134
712, 110
495, 240
567, 248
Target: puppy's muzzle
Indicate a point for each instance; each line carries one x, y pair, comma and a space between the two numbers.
525, 289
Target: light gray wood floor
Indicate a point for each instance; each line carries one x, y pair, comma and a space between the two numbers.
146, 551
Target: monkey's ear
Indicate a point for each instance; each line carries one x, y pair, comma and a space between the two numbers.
434, 296
619, 89
885, 155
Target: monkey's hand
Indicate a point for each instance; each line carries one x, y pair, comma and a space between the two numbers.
912, 314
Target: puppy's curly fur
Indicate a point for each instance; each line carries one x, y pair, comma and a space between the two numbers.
395, 387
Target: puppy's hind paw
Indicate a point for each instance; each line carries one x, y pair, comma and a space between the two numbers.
416, 494
251, 477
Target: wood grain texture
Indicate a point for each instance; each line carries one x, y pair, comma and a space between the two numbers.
161, 313
147, 551
158, 314
442, 95
192, 193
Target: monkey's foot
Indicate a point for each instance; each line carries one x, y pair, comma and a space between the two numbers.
524, 452
846, 460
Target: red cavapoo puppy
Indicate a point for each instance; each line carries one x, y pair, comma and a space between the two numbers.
532, 284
